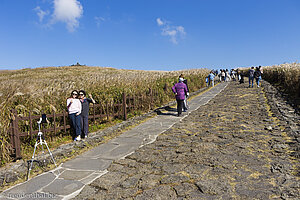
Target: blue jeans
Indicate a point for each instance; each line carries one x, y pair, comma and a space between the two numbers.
76, 124
257, 80
251, 79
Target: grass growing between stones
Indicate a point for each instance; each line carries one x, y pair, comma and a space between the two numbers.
285, 136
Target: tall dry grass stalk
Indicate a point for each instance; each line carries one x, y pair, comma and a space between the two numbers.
285, 76
44, 90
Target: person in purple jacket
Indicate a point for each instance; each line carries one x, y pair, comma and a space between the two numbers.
180, 90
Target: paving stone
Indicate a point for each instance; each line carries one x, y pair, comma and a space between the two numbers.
131, 182
32, 186
95, 152
124, 141
86, 191
213, 187
109, 180
185, 189
163, 192
74, 174
149, 181
63, 187
81, 163
92, 177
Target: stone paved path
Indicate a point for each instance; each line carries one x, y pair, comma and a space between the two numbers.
88, 167
231, 148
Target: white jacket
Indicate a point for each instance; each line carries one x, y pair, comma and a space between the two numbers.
74, 107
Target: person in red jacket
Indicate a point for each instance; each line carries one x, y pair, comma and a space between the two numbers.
180, 90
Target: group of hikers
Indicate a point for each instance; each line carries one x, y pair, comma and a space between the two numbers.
224, 76
235, 75
181, 91
255, 74
78, 103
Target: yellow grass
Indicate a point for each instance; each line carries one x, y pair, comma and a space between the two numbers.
286, 76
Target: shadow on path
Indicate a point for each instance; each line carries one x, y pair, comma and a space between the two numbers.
170, 111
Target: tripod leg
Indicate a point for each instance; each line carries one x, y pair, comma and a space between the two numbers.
43, 151
31, 161
51, 155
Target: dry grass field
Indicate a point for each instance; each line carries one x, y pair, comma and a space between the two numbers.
44, 90
285, 76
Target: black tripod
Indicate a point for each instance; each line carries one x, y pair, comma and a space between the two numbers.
40, 140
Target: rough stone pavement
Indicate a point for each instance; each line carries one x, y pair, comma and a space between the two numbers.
234, 147
77, 173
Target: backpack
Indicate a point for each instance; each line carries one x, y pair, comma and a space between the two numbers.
257, 74
251, 73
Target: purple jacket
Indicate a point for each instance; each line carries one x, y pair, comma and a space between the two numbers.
181, 89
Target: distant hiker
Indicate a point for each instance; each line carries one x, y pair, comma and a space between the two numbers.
251, 76
74, 109
238, 74
85, 103
219, 75
257, 75
180, 90
227, 75
233, 75
223, 75
242, 78
260, 69
206, 81
211, 78
185, 104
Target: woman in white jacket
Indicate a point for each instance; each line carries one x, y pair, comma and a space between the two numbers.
74, 109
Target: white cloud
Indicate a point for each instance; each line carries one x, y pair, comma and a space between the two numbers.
41, 14
159, 22
180, 29
99, 20
67, 11
173, 32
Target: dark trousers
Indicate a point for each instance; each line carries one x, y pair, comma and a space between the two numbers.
251, 78
179, 105
85, 125
76, 124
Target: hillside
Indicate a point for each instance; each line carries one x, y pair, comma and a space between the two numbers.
44, 90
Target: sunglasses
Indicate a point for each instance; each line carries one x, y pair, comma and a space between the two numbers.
74, 93
81, 94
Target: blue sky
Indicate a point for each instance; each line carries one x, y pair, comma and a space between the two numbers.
149, 34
